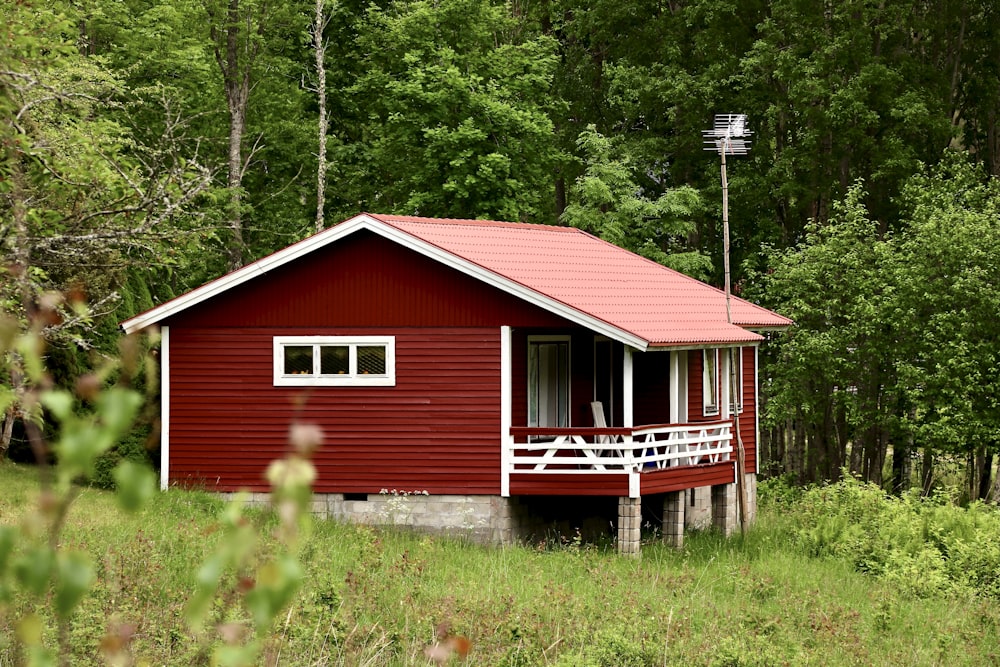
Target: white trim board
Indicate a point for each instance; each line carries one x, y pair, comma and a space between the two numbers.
164, 408
385, 230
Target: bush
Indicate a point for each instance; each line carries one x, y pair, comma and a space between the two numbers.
924, 546
131, 448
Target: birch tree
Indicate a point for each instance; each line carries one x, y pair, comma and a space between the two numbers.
320, 20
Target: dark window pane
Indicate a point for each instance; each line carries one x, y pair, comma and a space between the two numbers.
371, 360
334, 360
298, 360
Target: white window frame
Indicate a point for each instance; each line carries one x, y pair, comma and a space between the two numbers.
710, 386
738, 351
350, 379
569, 372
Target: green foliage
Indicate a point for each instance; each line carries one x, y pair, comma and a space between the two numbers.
131, 448
375, 597
946, 303
920, 546
47, 579
609, 203
453, 112
895, 334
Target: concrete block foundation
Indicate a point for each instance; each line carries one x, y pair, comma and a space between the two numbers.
673, 519
629, 525
724, 508
698, 508
494, 520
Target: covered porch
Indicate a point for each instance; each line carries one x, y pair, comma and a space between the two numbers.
587, 416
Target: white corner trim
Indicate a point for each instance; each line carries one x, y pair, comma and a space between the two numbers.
164, 408
506, 397
756, 409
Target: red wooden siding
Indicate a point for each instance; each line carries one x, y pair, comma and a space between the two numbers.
436, 430
568, 485
678, 479
365, 280
748, 420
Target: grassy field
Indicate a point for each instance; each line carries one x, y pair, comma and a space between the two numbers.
374, 597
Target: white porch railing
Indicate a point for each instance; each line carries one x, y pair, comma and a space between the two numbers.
604, 450
601, 451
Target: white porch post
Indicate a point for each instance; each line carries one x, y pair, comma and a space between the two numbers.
506, 440
627, 406
628, 417
164, 408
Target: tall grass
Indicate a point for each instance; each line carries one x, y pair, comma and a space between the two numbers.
376, 597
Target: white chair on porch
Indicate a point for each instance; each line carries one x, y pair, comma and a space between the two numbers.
597, 409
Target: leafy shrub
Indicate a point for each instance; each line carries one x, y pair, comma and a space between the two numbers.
924, 546
131, 448
780, 490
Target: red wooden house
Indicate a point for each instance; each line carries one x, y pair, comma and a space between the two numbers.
479, 364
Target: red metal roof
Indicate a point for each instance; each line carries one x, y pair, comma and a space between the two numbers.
562, 269
629, 292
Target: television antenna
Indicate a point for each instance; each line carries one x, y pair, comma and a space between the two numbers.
728, 136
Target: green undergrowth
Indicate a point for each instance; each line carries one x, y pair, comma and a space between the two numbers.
376, 597
921, 546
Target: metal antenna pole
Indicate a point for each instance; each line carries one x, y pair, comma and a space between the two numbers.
727, 137
725, 233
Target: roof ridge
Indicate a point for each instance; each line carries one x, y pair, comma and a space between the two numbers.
478, 222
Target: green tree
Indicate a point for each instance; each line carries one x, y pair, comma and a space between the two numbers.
453, 113
607, 201
831, 385
947, 305
235, 73
80, 200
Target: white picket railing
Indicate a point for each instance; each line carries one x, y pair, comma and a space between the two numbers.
617, 450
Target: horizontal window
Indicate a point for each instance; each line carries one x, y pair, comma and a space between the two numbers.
316, 361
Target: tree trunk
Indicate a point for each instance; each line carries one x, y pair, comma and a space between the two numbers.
319, 49
927, 471
985, 475
797, 453
900, 466
996, 484
560, 196
230, 45
235, 184
8, 431
982, 473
